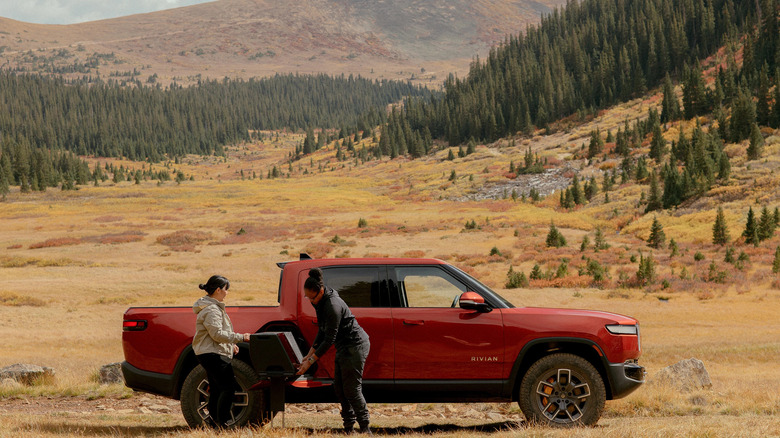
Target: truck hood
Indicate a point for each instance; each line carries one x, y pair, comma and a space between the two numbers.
605, 317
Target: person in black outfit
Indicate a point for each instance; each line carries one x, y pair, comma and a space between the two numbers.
337, 326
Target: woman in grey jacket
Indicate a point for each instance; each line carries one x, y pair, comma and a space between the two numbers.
214, 345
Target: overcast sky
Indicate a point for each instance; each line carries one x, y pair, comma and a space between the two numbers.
78, 11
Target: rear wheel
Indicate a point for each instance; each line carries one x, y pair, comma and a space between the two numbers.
562, 390
248, 406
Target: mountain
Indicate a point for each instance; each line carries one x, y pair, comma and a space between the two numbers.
418, 39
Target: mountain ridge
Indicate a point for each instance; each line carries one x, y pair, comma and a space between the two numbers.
249, 38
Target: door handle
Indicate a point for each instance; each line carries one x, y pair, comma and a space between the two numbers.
413, 322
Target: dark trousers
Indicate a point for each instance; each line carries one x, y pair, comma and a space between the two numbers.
348, 383
222, 386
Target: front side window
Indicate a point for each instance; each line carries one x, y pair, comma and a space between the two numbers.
357, 286
427, 286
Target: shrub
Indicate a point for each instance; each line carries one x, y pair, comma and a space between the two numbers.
362, 223
515, 280
646, 272
536, 273
184, 240
495, 251
52, 243
698, 256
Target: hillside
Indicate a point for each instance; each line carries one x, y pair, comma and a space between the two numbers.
248, 38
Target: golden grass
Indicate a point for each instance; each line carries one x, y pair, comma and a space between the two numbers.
61, 305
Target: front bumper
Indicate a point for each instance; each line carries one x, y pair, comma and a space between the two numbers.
625, 378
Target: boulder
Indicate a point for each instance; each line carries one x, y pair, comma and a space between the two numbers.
26, 374
686, 375
111, 373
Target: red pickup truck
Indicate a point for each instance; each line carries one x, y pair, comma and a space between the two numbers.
437, 335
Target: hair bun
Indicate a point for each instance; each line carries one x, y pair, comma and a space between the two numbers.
315, 273
202, 286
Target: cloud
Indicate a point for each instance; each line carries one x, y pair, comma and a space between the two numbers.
78, 11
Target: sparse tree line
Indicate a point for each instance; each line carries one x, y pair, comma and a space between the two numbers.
37, 169
152, 124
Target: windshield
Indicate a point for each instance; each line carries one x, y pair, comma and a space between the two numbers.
484, 290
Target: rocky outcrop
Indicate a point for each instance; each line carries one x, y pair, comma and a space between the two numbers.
26, 374
111, 373
686, 375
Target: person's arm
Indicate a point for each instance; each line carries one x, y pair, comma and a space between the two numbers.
329, 330
212, 320
307, 361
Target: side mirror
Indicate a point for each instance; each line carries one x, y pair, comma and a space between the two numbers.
474, 301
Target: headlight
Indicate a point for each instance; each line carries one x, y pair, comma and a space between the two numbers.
617, 329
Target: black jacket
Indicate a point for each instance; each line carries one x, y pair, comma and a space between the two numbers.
337, 325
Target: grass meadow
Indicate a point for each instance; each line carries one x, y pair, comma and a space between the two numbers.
72, 262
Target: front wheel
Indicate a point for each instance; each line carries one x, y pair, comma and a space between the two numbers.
248, 406
562, 390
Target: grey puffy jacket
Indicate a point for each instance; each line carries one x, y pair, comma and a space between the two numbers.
213, 329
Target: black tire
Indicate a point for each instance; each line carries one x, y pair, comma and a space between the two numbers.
562, 390
249, 407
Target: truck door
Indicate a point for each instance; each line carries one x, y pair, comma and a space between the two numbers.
364, 289
437, 340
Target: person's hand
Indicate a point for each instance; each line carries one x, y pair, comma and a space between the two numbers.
246, 337
235, 349
304, 367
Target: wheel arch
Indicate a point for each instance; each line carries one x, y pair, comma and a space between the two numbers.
539, 348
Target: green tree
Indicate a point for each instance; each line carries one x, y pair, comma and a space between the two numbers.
751, 229
654, 201
554, 238
657, 144
657, 236
670, 106
646, 273
766, 224
515, 279
776, 261
596, 145
599, 241
720, 232
756, 146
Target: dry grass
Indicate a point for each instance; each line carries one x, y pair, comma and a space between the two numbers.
61, 305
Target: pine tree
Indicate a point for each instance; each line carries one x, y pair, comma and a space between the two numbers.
576, 191
766, 225
646, 272
596, 145
654, 201
751, 228
776, 261
599, 242
756, 146
657, 144
554, 238
720, 232
670, 106
657, 235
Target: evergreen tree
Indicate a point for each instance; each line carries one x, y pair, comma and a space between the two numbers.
756, 146
654, 201
657, 144
766, 225
751, 229
576, 192
776, 261
657, 235
670, 106
599, 242
596, 145
554, 238
646, 272
743, 117
720, 232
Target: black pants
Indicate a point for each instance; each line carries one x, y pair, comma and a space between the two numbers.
348, 383
222, 386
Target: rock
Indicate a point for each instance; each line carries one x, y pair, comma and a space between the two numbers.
111, 373
409, 408
145, 410
26, 374
160, 408
686, 375
450, 410
494, 416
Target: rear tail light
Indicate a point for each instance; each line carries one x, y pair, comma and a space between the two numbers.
134, 325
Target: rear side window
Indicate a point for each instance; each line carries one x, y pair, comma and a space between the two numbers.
357, 286
428, 286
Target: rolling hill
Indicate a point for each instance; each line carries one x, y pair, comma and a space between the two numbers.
423, 40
